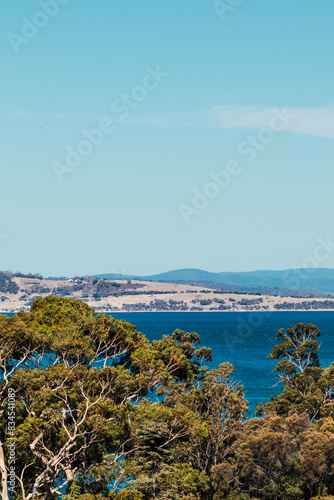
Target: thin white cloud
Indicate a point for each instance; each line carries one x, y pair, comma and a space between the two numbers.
317, 122
15, 115
24, 114
313, 121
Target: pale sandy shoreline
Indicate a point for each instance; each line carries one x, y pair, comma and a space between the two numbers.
248, 311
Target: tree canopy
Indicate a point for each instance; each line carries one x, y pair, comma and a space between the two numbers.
100, 412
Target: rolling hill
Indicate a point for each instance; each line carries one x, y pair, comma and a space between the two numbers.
311, 280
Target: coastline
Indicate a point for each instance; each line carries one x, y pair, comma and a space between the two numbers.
249, 311
217, 311
120, 297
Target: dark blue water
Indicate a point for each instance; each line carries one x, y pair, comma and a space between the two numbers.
244, 339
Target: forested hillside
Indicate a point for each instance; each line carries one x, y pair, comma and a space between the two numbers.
7, 285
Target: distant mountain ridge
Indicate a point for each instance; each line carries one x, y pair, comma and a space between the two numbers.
317, 279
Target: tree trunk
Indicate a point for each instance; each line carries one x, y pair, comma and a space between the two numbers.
3, 470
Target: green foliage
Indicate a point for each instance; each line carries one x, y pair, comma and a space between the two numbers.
205, 302
7, 284
74, 490
77, 379
307, 387
103, 413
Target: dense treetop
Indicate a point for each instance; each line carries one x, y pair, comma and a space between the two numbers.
100, 412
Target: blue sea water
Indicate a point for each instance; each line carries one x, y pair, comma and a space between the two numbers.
244, 339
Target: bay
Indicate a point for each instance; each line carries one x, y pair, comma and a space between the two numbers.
244, 339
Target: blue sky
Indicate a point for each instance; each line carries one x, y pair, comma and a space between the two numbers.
136, 202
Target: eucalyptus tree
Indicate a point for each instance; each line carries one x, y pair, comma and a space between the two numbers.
78, 378
308, 388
